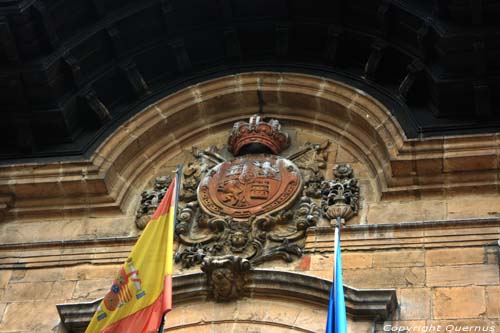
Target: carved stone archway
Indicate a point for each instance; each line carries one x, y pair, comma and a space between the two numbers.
278, 300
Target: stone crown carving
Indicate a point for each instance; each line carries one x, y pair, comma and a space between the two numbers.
258, 131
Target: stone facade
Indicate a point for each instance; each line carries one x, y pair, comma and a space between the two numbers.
428, 224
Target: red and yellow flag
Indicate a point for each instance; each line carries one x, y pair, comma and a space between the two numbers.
141, 293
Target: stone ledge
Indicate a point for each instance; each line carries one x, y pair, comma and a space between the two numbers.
421, 234
377, 305
65, 253
424, 234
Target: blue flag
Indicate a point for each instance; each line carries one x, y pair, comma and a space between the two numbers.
337, 321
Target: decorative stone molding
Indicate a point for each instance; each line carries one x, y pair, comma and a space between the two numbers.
377, 305
110, 180
422, 234
340, 196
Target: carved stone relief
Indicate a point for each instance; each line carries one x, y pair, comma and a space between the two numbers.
238, 211
150, 200
226, 276
340, 196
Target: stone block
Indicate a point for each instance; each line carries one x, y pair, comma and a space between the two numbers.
325, 274
466, 302
19, 292
30, 317
402, 168
399, 258
43, 275
3, 306
4, 278
357, 260
62, 290
250, 310
473, 206
415, 303
462, 275
406, 211
466, 232
91, 272
312, 320
456, 256
385, 277
17, 275
320, 262
343, 156
225, 311
195, 313
493, 302
267, 310
456, 162
431, 166
493, 255
91, 289
34, 291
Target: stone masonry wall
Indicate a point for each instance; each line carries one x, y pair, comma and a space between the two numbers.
445, 274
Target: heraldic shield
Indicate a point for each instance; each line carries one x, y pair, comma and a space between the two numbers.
250, 185
244, 204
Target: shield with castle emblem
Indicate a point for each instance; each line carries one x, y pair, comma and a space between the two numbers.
254, 184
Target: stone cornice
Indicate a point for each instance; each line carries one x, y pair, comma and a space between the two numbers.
377, 305
425, 234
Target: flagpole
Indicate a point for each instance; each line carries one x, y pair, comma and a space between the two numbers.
161, 329
336, 239
336, 245
335, 263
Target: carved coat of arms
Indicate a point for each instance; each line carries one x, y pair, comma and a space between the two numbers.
250, 185
246, 204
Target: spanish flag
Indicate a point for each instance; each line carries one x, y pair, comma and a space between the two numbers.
141, 293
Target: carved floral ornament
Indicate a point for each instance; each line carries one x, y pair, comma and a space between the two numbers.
238, 211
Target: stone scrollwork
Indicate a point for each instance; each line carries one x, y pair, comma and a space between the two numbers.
257, 240
311, 160
195, 170
150, 199
193, 255
340, 196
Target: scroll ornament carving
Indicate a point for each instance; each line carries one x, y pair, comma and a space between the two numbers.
150, 199
340, 196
